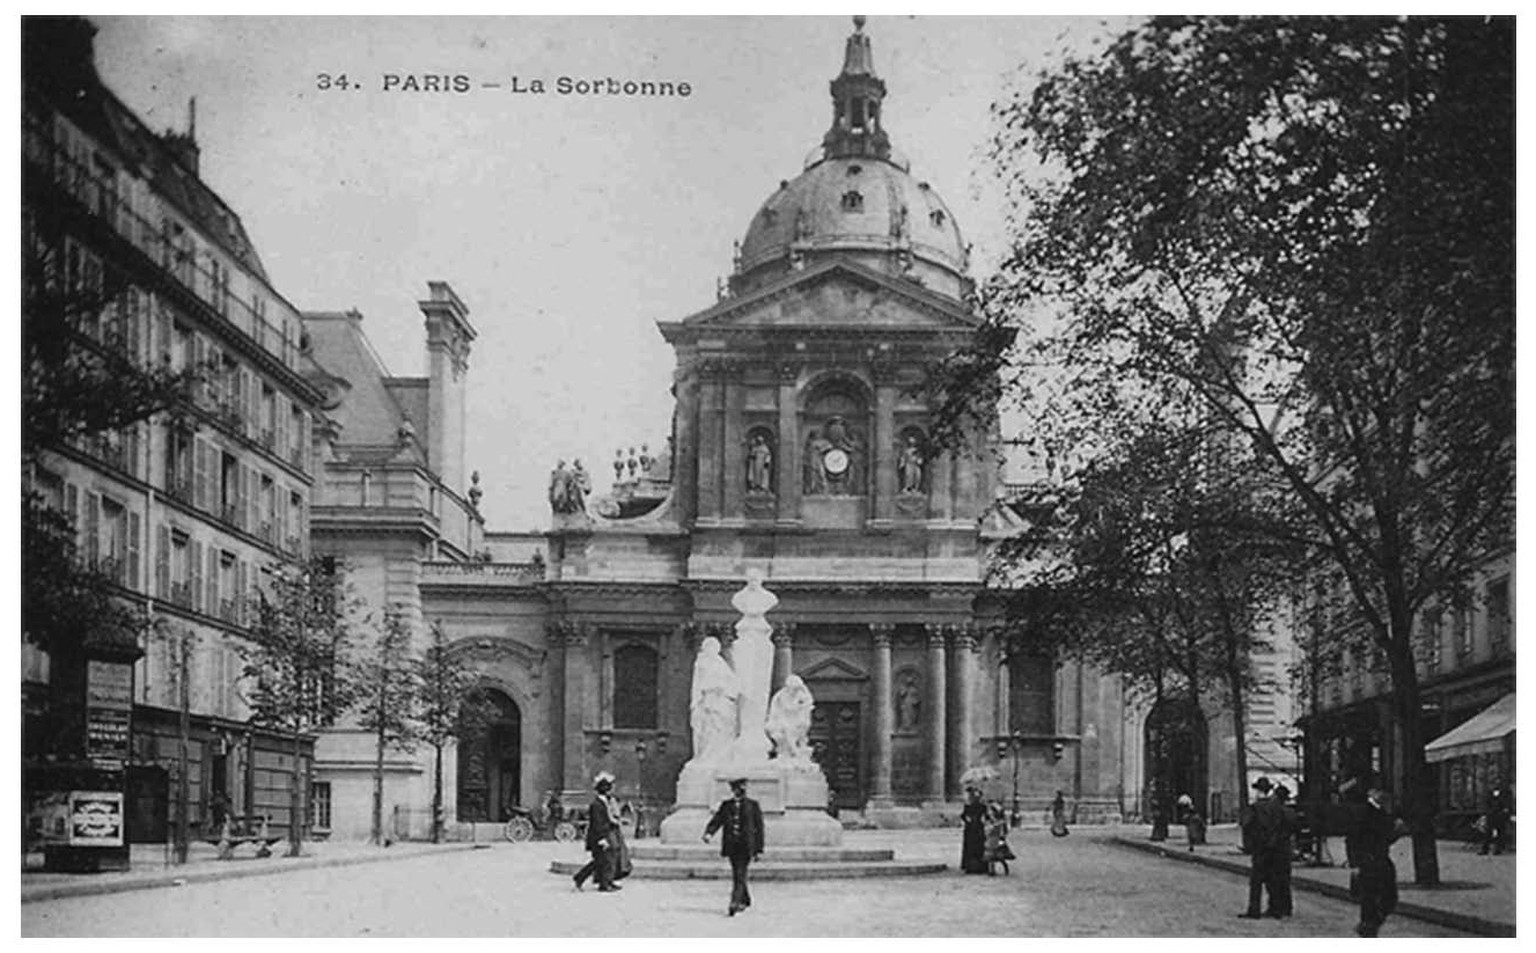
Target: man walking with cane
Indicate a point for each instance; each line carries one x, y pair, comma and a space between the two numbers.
740, 819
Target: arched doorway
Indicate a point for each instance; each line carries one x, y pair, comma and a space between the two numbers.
491, 759
1176, 760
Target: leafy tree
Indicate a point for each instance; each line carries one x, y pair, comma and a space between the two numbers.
74, 388
451, 709
300, 658
1304, 229
390, 689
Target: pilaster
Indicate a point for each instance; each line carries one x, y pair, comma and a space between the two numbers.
789, 447
885, 443
783, 653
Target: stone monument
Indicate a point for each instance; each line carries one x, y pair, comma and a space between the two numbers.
780, 774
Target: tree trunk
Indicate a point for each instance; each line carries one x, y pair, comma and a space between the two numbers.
437, 796
296, 799
1417, 780
378, 783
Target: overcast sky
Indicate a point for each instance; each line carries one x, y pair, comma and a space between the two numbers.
569, 225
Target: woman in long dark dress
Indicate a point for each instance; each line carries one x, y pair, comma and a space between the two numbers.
1059, 815
973, 834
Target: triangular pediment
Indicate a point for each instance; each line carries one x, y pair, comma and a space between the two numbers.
832, 669
838, 294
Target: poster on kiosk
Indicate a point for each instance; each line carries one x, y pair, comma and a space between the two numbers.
96, 818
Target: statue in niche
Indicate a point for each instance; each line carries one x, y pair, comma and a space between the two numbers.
909, 466
909, 703
760, 464
816, 447
789, 721
712, 708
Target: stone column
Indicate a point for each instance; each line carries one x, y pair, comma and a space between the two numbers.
880, 793
960, 739
885, 442
733, 458
574, 639
711, 439
783, 653
1004, 687
936, 711
789, 447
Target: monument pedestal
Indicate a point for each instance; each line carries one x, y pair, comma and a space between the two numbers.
793, 797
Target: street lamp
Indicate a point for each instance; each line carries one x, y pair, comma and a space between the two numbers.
640, 754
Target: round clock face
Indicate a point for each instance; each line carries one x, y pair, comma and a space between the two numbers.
835, 461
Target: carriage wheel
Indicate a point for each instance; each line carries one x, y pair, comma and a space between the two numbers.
565, 831
519, 829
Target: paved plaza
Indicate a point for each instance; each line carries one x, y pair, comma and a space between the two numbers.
1082, 885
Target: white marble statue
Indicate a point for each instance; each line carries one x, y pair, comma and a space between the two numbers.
789, 722
752, 657
712, 709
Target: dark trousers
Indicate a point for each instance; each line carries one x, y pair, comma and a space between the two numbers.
741, 899
1377, 881
1280, 884
601, 865
1261, 876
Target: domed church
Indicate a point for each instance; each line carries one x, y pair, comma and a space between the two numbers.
798, 448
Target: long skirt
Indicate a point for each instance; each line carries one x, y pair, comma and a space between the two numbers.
973, 857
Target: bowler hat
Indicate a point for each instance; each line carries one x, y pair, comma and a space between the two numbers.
1263, 784
738, 782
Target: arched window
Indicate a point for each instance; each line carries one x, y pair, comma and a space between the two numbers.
1032, 694
853, 201
634, 687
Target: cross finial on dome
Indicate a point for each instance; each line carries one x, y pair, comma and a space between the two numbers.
858, 23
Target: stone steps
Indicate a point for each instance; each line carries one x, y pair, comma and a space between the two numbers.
719, 869
710, 853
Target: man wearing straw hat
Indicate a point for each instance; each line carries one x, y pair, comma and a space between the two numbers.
602, 838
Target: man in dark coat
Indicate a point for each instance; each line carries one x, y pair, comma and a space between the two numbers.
1265, 832
602, 838
740, 819
1280, 904
1372, 831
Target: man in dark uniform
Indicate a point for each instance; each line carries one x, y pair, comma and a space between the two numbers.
601, 839
1497, 830
741, 821
1280, 904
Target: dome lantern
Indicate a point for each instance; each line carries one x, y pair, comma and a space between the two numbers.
857, 95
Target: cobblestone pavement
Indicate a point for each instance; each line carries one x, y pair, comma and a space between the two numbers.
1075, 886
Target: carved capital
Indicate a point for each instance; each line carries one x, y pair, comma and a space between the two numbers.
788, 373
784, 634
574, 634
968, 637
884, 373
936, 634
882, 633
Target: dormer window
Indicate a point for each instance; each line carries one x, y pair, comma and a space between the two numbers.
853, 201
770, 216
855, 169
937, 218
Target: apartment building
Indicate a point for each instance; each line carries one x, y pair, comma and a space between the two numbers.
187, 511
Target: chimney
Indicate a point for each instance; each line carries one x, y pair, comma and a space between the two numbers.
183, 146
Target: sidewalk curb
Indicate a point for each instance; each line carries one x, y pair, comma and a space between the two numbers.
1445, 918
98, 888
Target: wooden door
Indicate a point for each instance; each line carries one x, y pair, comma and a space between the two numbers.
835, 746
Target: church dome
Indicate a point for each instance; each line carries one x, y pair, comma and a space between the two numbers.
856, 201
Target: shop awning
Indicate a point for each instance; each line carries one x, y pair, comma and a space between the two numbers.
1483, 733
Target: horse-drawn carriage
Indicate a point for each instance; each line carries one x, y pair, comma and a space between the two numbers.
554, 821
